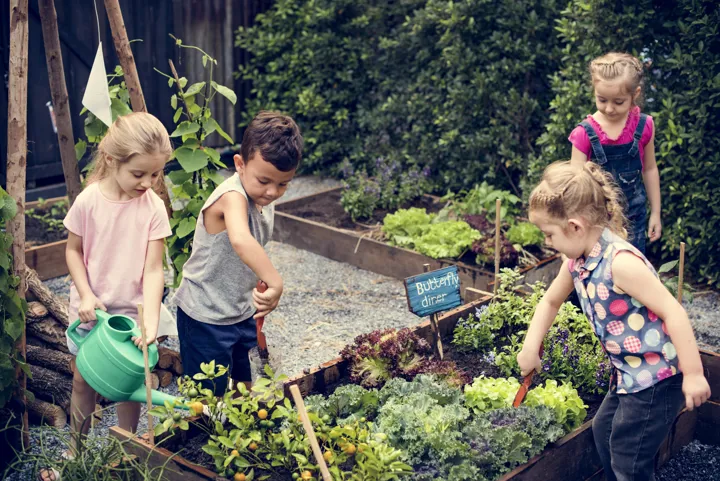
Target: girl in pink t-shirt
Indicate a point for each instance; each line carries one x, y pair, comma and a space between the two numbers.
116, 231
621, 139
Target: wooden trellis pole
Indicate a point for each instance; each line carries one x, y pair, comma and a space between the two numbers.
58, 90
17, 161
127, 61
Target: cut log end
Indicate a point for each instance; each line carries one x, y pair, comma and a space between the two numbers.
41, 412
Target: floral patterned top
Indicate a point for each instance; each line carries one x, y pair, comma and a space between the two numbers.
635, 339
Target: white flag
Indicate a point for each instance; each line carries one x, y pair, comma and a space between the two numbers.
97, 96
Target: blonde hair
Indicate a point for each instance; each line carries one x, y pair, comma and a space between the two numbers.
138, 133
568, 191
616, 65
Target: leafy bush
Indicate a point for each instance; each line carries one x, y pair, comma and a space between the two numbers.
564, 400
12, 306
525, 234
480, 200
389, 188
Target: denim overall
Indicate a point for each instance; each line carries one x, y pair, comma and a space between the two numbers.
623, 162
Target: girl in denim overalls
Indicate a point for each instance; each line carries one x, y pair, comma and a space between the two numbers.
620, 138
643, 329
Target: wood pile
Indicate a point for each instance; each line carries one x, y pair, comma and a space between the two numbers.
51, 364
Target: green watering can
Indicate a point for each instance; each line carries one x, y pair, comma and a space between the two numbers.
111, 363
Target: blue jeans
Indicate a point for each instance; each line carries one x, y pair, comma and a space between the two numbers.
630, 428
227, 345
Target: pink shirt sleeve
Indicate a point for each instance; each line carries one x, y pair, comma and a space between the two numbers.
160, 224
75, 219
580, 140
647, 132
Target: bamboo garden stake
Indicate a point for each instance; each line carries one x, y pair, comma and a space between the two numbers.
681, 272
498, 203
300, 405
437, 338
148, 387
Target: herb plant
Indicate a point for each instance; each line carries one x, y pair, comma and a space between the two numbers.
481, 200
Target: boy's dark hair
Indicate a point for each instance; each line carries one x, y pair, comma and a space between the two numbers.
277, 138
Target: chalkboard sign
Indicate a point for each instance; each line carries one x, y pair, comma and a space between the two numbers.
433, 291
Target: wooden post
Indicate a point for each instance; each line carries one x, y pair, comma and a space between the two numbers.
127, 61
58, 91
681, 272
300, 405
148, 380
17, 163
498, 203
437, 338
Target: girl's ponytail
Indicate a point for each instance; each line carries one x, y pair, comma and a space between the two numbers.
567, 191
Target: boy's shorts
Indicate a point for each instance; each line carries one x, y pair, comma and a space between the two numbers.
226, 345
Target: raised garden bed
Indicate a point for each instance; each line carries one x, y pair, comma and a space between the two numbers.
44, 246
571, 458
317, 223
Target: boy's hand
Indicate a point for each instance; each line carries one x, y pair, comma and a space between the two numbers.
696, 390
266, 302
88, 304
528, 362
150, 340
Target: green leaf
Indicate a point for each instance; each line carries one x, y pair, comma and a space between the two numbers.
177, 115
173, 101
194, 89
185, 128
225, 92
119, 108
667, 267
186, 227
191, 160
179, 177
182, 81
171, 81
80, 149
14, 327
213, 123
180, 260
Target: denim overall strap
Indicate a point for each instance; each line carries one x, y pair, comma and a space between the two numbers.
634, 148
597, 148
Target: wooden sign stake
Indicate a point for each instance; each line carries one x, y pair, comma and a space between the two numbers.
437, 338
300, 405
498, 203
148, 387
681, 273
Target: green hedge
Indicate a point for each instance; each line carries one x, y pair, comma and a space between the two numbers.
680, 41
489, 90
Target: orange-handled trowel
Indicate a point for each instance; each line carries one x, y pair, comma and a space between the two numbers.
525, 387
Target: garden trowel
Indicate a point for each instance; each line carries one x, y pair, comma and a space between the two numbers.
259, 322
525, 387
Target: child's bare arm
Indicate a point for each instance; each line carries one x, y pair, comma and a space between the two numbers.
76, 266
235, 212
153, 284
578, 157
651, 178
632, 276
544, 315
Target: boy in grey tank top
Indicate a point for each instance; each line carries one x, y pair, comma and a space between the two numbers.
217, 299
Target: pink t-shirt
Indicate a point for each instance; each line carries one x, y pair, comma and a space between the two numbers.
579, 137
115, 237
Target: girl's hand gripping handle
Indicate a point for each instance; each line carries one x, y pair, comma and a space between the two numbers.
527, 381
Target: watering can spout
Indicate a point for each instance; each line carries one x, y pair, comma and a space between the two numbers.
158, 398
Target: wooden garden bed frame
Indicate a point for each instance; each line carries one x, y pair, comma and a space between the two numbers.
48, 260
571, 458
353, 248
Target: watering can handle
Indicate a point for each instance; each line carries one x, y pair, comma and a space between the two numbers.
100, 315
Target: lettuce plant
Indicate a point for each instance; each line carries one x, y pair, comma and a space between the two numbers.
406, 225
526, 234
446, 239
487, 393
569, 409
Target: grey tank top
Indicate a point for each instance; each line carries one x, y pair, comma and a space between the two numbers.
217, 285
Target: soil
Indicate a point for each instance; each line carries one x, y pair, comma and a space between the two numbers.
327, 210
38, 232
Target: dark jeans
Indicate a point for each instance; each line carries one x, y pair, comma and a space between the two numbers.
630, 428
226, 345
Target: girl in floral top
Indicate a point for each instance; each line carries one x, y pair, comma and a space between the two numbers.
644, 330
620, 138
